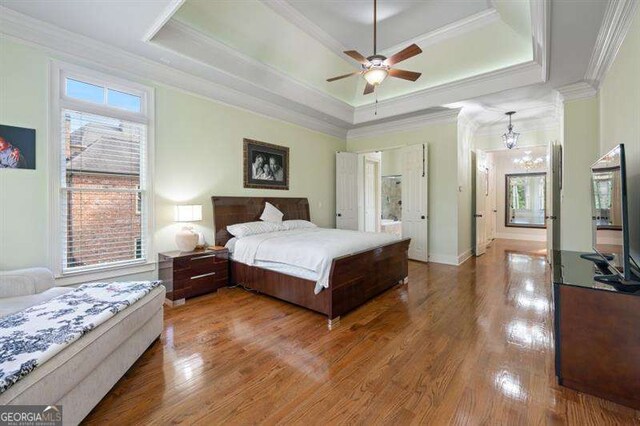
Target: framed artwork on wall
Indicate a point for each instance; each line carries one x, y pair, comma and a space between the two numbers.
266, 166
17, 148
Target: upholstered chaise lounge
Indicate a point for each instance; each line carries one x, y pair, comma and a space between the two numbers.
81, 374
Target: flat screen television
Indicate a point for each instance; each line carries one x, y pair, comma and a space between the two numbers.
611, 216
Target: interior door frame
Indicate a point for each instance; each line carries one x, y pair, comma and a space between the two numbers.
340, 219
423, 210
377, 189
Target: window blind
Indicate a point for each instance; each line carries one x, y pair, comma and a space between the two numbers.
102, 191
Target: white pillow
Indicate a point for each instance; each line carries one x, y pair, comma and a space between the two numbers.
297, 224
271, 213
252, 228
231, 244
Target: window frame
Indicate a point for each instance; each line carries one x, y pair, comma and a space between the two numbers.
507, 199
59, 72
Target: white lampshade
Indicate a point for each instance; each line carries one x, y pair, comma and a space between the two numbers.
188, 213
376, 75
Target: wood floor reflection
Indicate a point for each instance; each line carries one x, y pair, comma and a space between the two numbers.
457, 345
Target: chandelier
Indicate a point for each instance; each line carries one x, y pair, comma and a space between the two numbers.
527, 162
510, 138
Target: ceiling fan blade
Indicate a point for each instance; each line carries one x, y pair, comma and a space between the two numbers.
405, 75
357, 56
369, 88
404, 54
343, 76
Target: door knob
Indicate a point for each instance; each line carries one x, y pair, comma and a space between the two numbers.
339, 214
477, 215
422, 217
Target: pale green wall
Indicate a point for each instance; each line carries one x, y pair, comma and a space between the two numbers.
441, 139
465, 190
580, 150
198, 153
620, 111
391, 164
23, 193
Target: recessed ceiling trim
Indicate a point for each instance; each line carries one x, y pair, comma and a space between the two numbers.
579, 90
540, 33
291, 14
163, 18
615, 25
454, 29
85, 51
405, 124
250, 70
495, 81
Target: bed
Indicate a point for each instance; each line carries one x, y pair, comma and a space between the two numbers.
353, 279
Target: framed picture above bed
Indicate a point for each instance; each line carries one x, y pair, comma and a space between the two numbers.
266, 166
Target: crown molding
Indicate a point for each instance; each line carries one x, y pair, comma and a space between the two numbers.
162, 19
617, 19
255, 74
494, 81
291, 14
579, 90
76, 48
454, 29
405, 124
540, 34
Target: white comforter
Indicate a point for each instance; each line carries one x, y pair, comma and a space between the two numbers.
313, 248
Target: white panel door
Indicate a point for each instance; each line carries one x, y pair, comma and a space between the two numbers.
415, 200
347, 190
554, 185
482, 193
370, 196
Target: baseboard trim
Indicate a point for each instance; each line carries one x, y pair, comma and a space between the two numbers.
526, 237
448, 259
466, 255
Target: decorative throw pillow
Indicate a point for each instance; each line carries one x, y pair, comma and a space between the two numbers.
252, 228
271, 213
298, 224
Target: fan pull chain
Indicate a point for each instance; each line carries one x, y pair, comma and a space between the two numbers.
376, 111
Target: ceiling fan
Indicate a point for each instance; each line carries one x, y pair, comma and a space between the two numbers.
376, 67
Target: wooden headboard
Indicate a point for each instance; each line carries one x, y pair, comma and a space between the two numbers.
231, 210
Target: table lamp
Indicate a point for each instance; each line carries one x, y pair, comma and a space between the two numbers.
187, 239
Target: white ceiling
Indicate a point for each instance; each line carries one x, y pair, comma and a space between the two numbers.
574, 27
351, 21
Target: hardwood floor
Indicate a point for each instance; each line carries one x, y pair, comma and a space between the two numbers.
456, 345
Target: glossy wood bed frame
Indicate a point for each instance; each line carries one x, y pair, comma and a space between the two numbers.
354, 278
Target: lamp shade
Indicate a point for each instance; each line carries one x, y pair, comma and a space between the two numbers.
188, 213
375, 75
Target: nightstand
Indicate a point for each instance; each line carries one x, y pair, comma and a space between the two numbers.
191, 274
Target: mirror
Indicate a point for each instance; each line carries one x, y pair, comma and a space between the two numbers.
525, 203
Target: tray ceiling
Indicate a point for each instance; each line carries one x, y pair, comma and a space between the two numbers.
459, 39
273, 56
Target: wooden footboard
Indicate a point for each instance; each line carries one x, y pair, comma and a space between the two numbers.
354, 279
358, 277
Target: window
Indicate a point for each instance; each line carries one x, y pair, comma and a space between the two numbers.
525, 200
138, 253
102, 183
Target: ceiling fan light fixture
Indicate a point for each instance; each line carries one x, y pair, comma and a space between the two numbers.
376, 75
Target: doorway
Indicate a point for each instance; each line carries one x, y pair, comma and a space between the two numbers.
385, 191
513, 195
